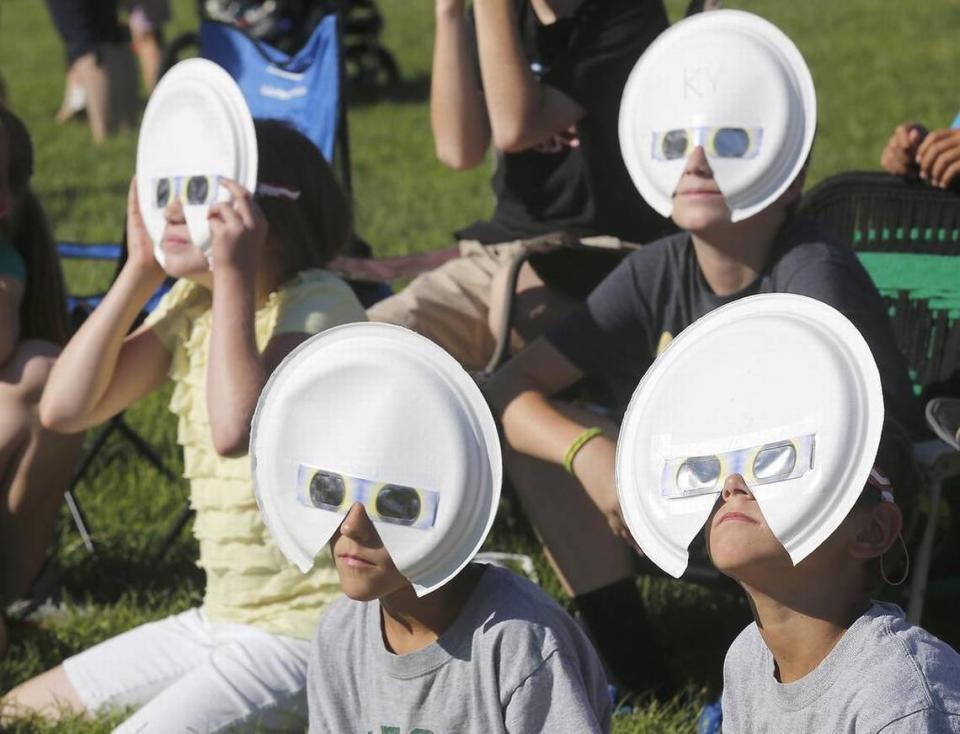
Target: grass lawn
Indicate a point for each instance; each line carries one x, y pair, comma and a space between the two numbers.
875, 65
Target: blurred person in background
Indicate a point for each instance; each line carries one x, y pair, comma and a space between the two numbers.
146, 20
36, 464
101, 75
538, 81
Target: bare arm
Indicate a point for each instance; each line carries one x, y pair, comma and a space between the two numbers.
11, 294
536, 426
523, 112
519, 393
236, 370
102, 370
458, 114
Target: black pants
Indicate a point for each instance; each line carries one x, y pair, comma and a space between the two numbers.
85, 24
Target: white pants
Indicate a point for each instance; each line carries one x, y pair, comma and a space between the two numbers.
188, 674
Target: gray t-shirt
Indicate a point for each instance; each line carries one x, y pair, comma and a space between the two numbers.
512, 661
658, 291
884, 675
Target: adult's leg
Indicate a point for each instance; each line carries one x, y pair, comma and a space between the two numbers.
35, 467
86, 26
594, 566
458, 305
575, 534
448, 305
536, 306
147, 18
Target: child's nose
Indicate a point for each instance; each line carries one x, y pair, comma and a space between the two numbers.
356, 524
733, 485
173, 212
697, 162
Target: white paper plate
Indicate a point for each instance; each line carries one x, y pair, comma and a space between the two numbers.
196, 122
379, 402
746, 373
728, 68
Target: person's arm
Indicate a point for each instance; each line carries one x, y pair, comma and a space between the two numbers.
605, 337
102, 370
458, 114
544, 429
236, 371
11, 294
523, 112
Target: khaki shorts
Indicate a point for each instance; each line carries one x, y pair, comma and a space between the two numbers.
450, 305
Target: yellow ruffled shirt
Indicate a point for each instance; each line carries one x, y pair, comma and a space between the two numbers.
248, 580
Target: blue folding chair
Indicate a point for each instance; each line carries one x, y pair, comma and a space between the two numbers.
303, 90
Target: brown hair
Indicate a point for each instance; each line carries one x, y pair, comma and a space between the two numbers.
43, 312
896, 462
313, 228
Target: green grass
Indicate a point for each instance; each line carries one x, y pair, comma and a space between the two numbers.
875, 65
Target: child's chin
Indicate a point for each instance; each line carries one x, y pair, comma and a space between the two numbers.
360, 591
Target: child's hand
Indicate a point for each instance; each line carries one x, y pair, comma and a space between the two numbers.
594, 465
139, 245
239, 230
899, 155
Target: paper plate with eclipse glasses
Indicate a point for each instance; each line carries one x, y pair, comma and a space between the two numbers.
196, 129
733, 83
376, 414
779, 388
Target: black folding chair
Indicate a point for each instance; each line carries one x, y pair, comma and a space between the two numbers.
907, 234
79, 307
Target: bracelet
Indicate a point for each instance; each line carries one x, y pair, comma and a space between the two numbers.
577, 444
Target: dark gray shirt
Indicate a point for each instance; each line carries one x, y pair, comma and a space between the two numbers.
884, 675
512, 661
659, 290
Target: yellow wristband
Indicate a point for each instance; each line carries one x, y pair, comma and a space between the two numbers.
577, 444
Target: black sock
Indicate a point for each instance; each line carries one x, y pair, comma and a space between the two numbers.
616, 619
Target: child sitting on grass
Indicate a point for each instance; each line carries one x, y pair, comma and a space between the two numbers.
799, 484
36, 464
400, 471
239, 661
821, 656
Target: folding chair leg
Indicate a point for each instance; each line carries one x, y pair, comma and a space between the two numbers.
80, 520
921, 567
91, 453
172, 533
144, 448
502, 347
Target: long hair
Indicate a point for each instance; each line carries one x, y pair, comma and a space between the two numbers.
43, 311
315, 226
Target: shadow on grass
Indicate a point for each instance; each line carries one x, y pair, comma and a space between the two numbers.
415, 90
116, 573
72, 193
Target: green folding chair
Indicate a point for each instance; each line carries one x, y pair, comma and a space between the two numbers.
907, 235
